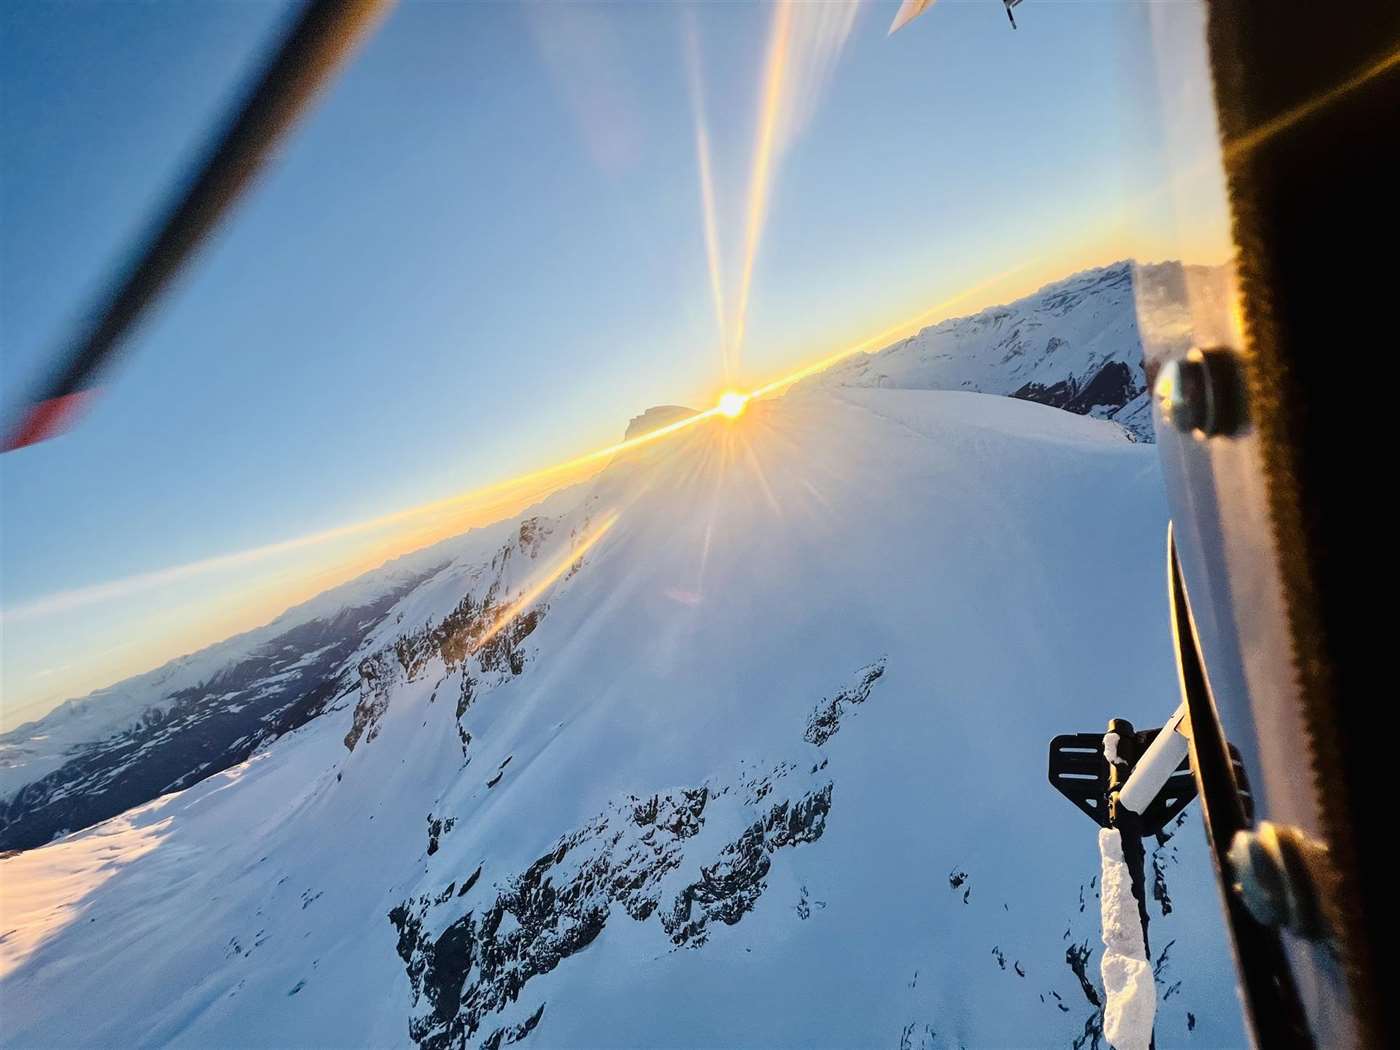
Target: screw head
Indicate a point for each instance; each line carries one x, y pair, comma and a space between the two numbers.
1180, 393
1258, 879
1201, 393
1278, 873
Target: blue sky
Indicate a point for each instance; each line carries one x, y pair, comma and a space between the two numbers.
484, 251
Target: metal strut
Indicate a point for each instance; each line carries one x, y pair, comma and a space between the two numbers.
318, 43
1129, 824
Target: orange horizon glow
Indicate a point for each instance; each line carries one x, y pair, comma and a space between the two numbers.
489, 503
416, 528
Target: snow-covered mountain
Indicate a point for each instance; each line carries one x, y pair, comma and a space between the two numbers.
1086, 344
94, 757
1078, 344
743, 745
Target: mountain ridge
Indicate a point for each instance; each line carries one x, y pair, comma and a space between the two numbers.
1088, 343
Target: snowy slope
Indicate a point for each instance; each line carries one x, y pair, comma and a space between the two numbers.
32, 749
1077, 344
95, 757
760, 762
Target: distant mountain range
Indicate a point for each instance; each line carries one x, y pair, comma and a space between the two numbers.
95, 757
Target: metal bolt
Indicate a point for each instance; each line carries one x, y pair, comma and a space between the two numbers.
1277, 870
1201, 393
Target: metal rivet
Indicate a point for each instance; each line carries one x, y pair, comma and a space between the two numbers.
1276, 873
1201, 393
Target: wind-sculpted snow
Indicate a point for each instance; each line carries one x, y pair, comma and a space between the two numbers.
616, 826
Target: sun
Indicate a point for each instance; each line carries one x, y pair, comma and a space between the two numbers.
732, 403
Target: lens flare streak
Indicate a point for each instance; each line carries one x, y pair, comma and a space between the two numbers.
760, 183
707, 190
570, 558
804, 43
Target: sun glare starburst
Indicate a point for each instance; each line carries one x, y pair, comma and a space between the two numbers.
492, 502
732, 403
